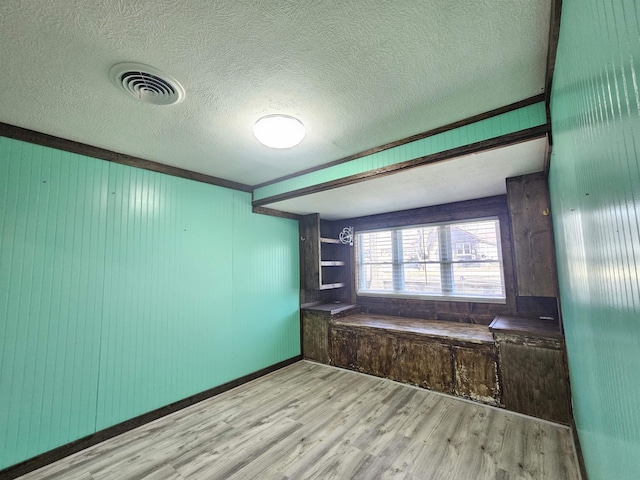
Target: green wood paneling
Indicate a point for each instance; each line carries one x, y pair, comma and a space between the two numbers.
514, 121
123, 290
595, 193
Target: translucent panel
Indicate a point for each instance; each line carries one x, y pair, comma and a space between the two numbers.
422, 278
475, 241
375, 247
420, 244
477, 279
375, 277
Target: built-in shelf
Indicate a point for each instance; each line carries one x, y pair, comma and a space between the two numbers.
324, 256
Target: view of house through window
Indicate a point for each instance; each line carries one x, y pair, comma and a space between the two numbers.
462, 260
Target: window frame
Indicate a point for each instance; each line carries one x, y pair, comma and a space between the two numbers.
444, 254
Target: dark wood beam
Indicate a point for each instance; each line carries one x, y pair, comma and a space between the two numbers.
18, 133
502, 141
276, 213
554, 36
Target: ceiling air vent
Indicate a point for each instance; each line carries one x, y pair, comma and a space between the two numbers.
146, 83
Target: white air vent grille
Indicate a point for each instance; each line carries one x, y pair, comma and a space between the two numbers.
146, 83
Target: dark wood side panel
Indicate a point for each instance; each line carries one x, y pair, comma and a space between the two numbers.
532, 231
534, 381
315, 337
309, 228
11, 131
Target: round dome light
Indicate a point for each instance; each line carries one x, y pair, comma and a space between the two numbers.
279, 131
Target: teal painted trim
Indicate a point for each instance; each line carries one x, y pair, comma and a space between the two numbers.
595, 193
509, 122
124, 290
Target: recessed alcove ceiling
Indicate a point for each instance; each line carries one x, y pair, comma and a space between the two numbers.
358, 74
468, 177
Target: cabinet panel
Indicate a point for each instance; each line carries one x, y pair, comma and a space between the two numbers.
343, 348
315, 337
476, 376
534, 381
376, 354
426, 364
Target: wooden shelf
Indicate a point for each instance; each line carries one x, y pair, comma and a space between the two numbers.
328, 240
331, 263
329, 286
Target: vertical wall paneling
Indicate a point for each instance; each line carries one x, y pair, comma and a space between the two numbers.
124, 290
513, 121
51, 282
264, 255
595, 193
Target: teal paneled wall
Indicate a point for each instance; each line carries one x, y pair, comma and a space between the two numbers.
595, 193
123, 290
513, 121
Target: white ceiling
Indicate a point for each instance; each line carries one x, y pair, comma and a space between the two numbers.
359, 74
463, 178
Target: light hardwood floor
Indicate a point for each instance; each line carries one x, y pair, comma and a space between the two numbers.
314, 421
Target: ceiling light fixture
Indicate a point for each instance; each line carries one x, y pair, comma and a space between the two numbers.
279, 131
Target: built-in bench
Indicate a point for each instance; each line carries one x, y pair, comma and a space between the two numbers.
454, 358
515, 363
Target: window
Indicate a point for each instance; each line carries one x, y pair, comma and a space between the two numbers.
454, 261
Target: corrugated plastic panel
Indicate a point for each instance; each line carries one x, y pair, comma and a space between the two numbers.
516, 120
123, 290
595, 193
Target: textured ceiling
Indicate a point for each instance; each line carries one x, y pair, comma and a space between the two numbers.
359, 74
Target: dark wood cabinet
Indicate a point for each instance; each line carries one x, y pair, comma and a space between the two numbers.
442, 356
533, 367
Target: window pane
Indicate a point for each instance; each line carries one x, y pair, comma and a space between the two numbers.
477, 279
376, 277
420, 244
375, 247
474, 241
422, 278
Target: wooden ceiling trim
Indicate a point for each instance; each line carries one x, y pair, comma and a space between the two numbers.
31, 136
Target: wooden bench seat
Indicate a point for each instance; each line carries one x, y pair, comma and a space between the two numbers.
454, 358
449, 332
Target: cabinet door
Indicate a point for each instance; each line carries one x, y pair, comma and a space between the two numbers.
376, 354
476, 374
426, 364
344, 345
534, 381
315, 337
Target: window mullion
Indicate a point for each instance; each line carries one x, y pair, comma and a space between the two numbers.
398, 270
446, 267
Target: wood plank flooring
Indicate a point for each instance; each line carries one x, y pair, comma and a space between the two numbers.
311, 421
